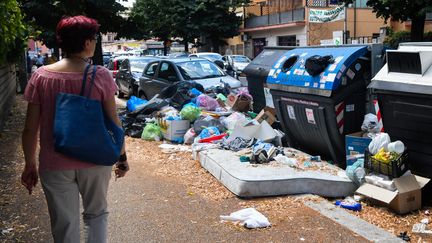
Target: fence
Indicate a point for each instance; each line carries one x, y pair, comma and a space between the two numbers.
7, 91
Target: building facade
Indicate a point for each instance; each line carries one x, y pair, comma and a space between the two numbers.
285, 23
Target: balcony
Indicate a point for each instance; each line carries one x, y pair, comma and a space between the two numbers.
286, 17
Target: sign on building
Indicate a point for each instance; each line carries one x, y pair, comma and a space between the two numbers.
324, 16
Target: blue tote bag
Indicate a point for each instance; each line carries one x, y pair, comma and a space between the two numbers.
83, 131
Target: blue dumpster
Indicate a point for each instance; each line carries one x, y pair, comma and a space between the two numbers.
317, 111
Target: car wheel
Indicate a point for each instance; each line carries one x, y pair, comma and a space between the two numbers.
142, 96
130, 91
120, 94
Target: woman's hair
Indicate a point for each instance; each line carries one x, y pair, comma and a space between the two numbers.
72, 32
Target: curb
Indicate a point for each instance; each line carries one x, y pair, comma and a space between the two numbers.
353, 223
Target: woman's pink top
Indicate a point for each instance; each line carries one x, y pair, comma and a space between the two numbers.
42, 89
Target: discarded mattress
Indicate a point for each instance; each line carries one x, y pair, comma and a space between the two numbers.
249, 180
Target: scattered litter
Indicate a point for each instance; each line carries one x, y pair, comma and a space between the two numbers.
6, 231
404, 236
285, 160
302, 239
425, 221
421, 229
248, 217
427, 212
349, 203
172, 148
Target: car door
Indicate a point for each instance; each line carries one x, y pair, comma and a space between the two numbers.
147, 89
122, 76
165, 77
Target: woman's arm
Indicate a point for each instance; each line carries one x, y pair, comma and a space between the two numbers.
29, 177
109, 106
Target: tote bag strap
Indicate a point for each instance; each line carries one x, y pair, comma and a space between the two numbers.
91, 82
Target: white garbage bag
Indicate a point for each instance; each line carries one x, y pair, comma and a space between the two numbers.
378, 142
248, 217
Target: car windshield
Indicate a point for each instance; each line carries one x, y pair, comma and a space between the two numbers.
199, 69
138, 65
240, 59
211, 56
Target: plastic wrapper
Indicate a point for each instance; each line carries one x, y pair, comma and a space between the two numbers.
151, 132
134, 102
208, 132
207, 103
378, 142
190, 112
189, 136
356, 172
371, 124
231, 121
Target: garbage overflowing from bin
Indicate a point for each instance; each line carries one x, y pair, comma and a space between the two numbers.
321, 102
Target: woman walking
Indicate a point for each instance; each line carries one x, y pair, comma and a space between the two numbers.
64, 178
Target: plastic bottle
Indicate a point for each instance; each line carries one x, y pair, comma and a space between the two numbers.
351, 206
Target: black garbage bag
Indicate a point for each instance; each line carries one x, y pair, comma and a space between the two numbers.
316, 64
179, 99
149, 108
182, 87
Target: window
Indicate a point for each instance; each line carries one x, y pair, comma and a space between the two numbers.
125, 65
289, 40
361, 3
167, 72
151, 69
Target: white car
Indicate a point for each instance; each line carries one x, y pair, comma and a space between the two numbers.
237, 62
211, 56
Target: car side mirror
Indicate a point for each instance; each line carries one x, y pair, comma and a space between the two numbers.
219, 63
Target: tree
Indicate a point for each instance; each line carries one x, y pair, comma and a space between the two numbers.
153, 18
45, 14
12, 31
217, 20
188, 19
402, 10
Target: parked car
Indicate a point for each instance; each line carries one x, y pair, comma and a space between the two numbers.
162, 73
114, 65
130, 71
106, 56
178, 54
211, 56
237, 62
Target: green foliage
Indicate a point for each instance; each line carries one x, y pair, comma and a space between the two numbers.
45, 14
187, 19
12, 31
393, 39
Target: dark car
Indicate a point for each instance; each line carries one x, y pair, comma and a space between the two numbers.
114, 65
129, 73
106, 56
162, 73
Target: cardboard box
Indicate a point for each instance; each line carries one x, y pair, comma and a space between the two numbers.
405, 199
174, 130
261, 131
268, 114
240, 103
355, 143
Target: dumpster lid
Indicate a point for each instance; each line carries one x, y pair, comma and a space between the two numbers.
329, 79
408, 70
